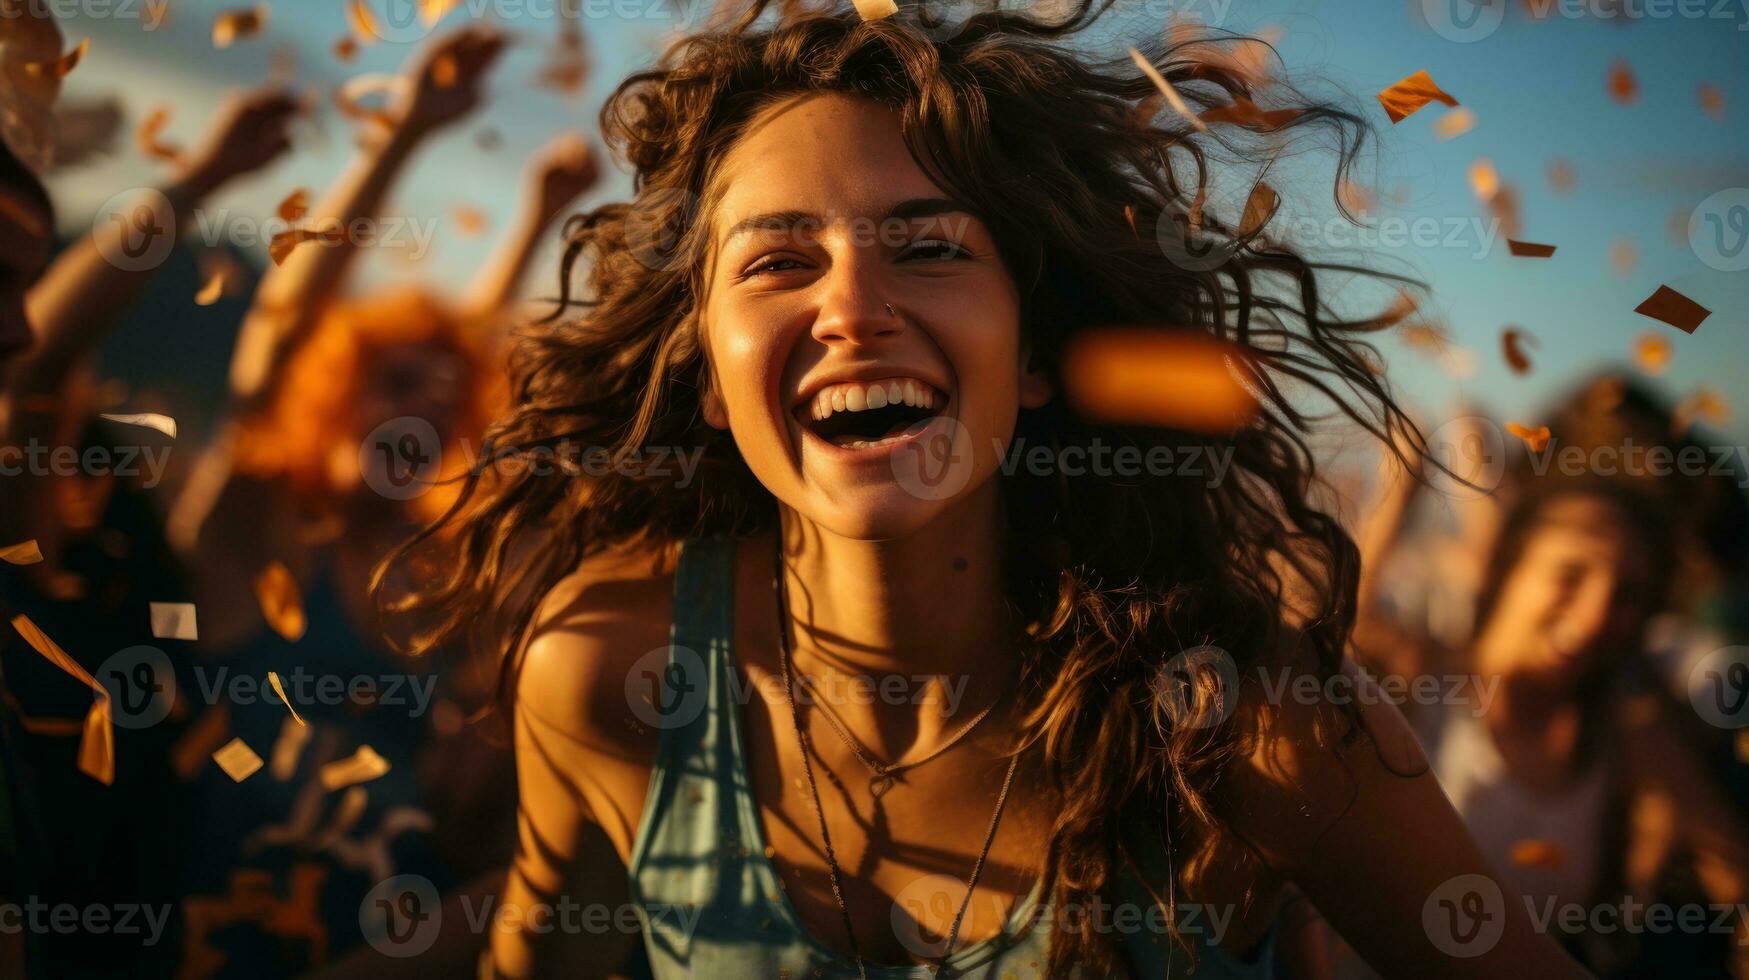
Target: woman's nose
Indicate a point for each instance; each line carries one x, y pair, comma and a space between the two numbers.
855, 309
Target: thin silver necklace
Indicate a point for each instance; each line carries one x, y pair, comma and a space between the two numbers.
783, 653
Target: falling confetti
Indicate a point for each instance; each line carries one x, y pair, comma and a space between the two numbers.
1623, 256
237, 25
875, 9
1529, 250
23, 553
97, 733
1245, 113
295, 206
432, 11
1562, 177
288, 747
280, 246
1545, 854
1701, 403
469, 221
1484, 179
238, 760
1354, 197
1537, 439
1623, 87
60, 67
281, 603
1165, 377
151, 420
147, 137
1166, 90
279, 689
1407, 96
362, 766
1454, 123
1672, 307
1652, 352
1259, 208
444, 71
1712, 101
173, 620
363, 23
1512, 341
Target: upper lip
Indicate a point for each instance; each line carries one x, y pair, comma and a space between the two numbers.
872, 372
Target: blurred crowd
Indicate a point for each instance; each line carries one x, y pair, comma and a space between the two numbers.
1579, 624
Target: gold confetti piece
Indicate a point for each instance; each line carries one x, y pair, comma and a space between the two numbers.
151, 420
238, 25
361, 767
1529, 250
1512, 340
1538, 854
1166, 90
59, 67
147, 137
1160, 376
1454, 123
97, 734
1537, 439
469, 221
295, 205
281, 244
1701, 403
173, 621
238, 760
279, 689
1484, 179
281, 603
349, 97
1712, 101
1354, 197
875, 9
432, 11
1672, 307
1260, 206
345, 48
210, 293
1407, 96
1622, 85
1244, 113
23, 553
288, 748
363, 23
1561, 176
1652, 352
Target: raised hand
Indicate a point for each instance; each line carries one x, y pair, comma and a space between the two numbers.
247, 133
561, 172
447, 76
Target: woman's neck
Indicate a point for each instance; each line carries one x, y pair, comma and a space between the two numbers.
926, 613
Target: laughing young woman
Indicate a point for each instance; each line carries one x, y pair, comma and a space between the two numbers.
850, 239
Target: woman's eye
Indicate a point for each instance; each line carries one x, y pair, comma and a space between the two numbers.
938, 248
769, 265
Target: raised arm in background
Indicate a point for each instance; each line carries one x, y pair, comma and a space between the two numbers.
559, 173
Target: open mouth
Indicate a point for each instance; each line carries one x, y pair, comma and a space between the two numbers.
863, 414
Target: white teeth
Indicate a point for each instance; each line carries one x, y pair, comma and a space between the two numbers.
838, 400
858, 397
895, 394
877, 397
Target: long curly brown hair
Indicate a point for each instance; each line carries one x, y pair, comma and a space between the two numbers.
1073, 160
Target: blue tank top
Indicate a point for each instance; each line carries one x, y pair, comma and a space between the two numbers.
708, 896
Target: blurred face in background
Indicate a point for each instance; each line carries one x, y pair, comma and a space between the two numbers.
1574, 600
421, 380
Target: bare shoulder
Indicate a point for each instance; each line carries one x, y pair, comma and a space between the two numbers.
589, 631
1312, 746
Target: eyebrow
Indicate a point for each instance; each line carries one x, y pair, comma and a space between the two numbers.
908, 210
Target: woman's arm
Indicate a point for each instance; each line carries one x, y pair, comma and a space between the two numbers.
446, 79
1364, 831
561, 172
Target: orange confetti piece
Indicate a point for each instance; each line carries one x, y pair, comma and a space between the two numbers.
469, 221
444, 71
210, 293
1484, 179
1244, 113
1260, 206
1512, 342
23, 553
1538, 854
1672, 307
1537, 439
1454, 123
281, 602
60, 67
1129, 215
1404, 98
1529, 250
1623, 87
147, 137
280, 246
875, 9
1652, 352
1712, 101
432, 11
1562, 177
362, 766
173, 620
151, 420
1159, 376
279, 689
1701, 403
1354, 197
345, 48
238, 760
97, 734
230, 26
1166, 90
363, 23
295, 205
1623, 256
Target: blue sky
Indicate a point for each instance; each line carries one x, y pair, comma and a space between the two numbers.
1537, 88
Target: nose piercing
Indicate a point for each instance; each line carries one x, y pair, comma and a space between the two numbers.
891, 311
